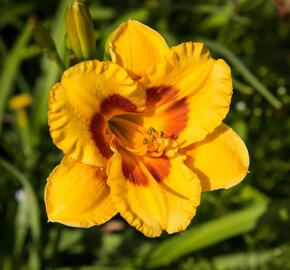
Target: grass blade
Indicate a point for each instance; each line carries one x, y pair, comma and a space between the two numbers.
11, 65
50, 70
205, 234
245, 89
244, 71
10, 13
34, 212
21, 225
248, 260
95, 267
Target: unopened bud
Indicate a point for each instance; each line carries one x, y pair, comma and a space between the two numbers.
44, 41
80, 29
20, 101
67, 42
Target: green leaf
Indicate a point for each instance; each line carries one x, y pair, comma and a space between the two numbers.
11, 66
34, 215
246, 260
101, 13
94, 267
10, 13
245, 89
243, 70
214, 22
241, 127
21, 223
69, 238
50, 70
209, 233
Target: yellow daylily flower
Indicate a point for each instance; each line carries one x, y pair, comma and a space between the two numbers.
142, 135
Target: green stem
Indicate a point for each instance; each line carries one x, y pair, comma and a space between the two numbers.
60, 64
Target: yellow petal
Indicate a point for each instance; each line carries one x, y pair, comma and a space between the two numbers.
221, 160
153, 193
136, 47
190, 91
182, 194
88, 95
77, 195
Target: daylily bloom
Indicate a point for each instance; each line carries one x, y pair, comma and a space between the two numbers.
142, 135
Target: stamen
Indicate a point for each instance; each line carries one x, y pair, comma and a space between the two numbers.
154, 141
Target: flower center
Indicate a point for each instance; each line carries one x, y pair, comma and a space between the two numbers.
154, 141
136, 138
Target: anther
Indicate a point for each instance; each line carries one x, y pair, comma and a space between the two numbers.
153, 138
161, 134
145, 141
150, 130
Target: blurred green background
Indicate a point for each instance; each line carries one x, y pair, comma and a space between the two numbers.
245, 227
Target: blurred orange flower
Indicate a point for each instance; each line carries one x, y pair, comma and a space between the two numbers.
142, 135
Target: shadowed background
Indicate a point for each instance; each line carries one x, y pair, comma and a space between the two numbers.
245, 227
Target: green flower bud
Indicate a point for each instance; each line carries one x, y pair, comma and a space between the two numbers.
80, 30
44, 41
